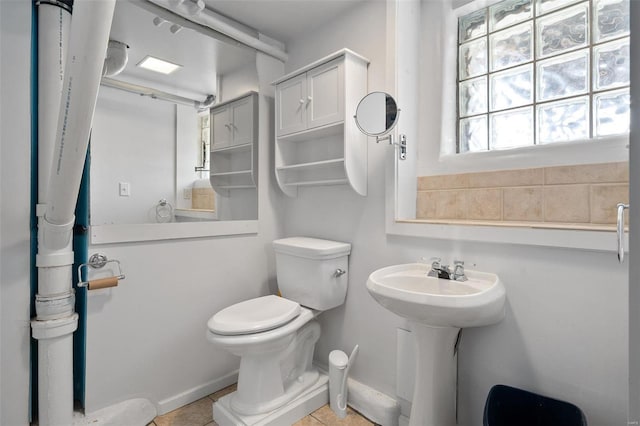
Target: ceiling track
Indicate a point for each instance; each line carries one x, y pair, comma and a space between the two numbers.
212, 24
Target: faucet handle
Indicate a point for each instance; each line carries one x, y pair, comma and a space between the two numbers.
436, 262
458, 271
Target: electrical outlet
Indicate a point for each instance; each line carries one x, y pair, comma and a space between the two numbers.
124, 189
186, 193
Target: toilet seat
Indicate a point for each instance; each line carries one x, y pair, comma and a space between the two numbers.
254, 316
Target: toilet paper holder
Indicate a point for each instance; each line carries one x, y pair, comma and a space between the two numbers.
98, 261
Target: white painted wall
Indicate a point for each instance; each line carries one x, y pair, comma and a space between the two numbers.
238, 82
15, 45
147, 337
565, 333
133, 140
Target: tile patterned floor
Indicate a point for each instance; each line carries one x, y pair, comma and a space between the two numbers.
199, 414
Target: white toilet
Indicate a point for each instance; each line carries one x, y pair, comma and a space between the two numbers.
275, 336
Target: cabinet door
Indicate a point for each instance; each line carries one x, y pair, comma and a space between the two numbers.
291, 101
242, 121
221, 132
325, 86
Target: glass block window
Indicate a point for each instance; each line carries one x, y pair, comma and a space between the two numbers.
534, 72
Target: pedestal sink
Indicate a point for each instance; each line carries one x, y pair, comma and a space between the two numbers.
437, 309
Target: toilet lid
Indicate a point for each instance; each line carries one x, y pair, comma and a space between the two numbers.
253, 316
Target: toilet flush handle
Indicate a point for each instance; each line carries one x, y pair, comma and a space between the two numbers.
339, 272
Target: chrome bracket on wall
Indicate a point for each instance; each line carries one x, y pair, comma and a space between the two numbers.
402, 145
620, 230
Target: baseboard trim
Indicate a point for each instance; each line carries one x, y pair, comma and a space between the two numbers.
196, 393
374, 405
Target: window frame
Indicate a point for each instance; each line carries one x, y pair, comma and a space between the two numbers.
431, 153
536, 102
580, 151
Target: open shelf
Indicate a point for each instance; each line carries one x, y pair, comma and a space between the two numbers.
234, 186
312, 165
234, 173
235, 148
319, 182
328, 130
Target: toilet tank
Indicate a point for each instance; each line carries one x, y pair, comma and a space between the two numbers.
307, 268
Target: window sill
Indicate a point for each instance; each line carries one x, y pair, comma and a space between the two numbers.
564, 235
603, 150
531, 225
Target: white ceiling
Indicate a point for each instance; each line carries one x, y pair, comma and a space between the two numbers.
283, 20
201, 57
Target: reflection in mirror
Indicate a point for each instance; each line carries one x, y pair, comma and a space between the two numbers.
377, 114
150, 157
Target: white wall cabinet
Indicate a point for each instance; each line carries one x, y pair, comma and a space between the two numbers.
233, 122
317, 140
234, 147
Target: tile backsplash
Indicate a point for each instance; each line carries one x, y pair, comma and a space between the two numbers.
203, 199
584, 194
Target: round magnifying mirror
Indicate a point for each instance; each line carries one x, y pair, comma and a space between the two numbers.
377, 114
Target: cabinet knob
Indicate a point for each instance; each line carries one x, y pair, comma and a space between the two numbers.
309, 99
301, 101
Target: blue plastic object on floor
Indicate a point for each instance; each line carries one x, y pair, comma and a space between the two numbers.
508, 406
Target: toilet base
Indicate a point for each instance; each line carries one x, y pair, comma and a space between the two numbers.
309, 401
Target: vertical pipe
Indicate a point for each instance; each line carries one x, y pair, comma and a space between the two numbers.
55, 370
81, 250
56, 321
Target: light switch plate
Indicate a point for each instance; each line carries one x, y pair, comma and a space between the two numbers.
124, 189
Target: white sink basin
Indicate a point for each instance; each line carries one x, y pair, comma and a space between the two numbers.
437, 309
406, 290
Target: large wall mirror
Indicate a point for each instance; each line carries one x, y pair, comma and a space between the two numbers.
150, 157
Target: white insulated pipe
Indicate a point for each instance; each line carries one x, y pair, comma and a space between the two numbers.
90, 28
53, 38
116, 59
55, 370
55, 321
187, 9
158, 94
54, 22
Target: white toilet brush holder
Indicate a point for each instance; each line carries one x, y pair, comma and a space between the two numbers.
339, 366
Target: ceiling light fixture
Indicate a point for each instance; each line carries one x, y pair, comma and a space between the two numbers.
158, 65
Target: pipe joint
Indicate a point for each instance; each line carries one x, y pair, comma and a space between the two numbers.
53, 328
56, 306
52, 260
56, 237
116, 59
62, 4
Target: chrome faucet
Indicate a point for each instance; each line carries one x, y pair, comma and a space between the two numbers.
438, 270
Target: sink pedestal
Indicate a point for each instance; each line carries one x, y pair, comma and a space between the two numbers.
434, 392
437, 309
